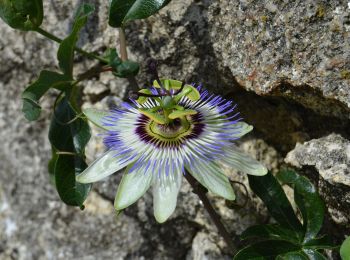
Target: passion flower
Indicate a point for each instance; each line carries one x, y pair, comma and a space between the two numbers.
165, 132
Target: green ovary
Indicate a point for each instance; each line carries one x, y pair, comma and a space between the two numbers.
170, 133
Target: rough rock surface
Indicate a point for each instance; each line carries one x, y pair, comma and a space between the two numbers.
333, 164
264, 43
330, 156
296, 51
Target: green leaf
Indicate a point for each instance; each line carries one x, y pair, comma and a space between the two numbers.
126, 69
65, 52
59, 132
113, 59
68, 135
314, 255
345, 249
323, 242
22, 14
308, 201
302, 255
123, 11
51, 165
71, 192
31, 109
270, 231
32, 94
268, 249
296, 255
272, 194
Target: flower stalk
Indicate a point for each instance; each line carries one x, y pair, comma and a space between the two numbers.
122, 43
215, 217
124, 56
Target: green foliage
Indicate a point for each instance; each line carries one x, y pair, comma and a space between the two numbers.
123, 11
270, 231
122, 69
266, 250
68, 135
304, 193
65, 52
22, 14
345, 249
50, 79
126, 69
32, 94
272, 194
289, 238
113, 59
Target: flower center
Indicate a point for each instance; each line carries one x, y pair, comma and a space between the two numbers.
168, 135
172, 131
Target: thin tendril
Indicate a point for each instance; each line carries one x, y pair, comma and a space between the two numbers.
245, 195
56, 117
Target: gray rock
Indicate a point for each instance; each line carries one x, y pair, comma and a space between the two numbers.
266, 43
330, 156
204, 248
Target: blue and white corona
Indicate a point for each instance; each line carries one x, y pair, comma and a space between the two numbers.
166, 131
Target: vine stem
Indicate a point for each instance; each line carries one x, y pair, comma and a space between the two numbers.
91, 73
124, 56
200, 191
58, 40
122, 42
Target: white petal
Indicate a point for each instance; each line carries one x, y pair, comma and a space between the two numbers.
96, 116
211, 177
165, 193
243, 129
106, 165
242, 162
132, 186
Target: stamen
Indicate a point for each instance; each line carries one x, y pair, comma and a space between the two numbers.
136, 95
181, 88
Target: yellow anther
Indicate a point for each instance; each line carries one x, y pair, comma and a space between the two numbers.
155, 116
